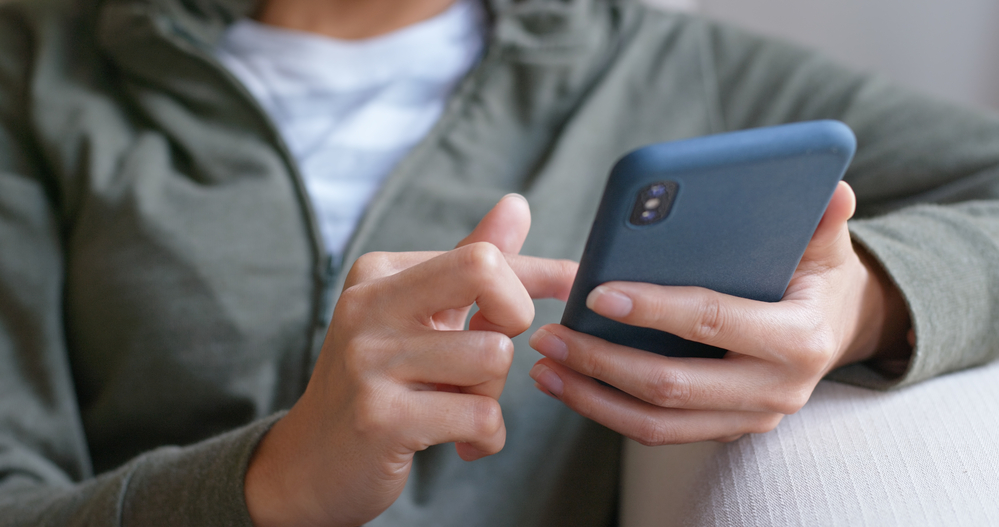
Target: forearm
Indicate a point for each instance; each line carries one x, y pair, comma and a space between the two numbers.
200, 484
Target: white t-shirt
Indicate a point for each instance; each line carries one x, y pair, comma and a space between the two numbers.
349, 110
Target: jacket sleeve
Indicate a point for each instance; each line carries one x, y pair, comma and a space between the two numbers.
45, 471
926, 176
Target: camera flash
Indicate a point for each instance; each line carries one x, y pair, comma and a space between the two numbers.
652, 203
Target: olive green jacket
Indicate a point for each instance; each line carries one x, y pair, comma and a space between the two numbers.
164, 290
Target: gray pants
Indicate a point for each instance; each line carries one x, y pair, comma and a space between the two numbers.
925, 455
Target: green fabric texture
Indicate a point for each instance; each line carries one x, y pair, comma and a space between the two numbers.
164, 291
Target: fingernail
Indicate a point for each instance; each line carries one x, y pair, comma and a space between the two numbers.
609, 302
549, 345
514, 195
548, 379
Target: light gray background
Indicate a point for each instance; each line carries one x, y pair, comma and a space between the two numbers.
948, 48
851, 456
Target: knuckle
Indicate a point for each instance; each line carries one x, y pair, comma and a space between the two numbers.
765, 423
487, 417
591, 362
790, 401
352, 306
798, 399
656, 432
817, 349
487, 270
366, 261
374, 417
670, 388
496, 354
523, 318
484, 258
709, 321
368, 266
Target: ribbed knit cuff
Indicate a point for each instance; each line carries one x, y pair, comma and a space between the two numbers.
944, 264
201, 484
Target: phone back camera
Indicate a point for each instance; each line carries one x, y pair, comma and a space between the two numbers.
653, 203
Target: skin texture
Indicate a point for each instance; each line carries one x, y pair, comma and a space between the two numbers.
839, 308
398, 374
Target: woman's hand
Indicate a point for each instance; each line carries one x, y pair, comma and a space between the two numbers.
839, 308
398, 374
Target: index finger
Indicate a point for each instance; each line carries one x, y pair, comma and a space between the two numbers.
542, 277
377, 264
478, 273
749, 327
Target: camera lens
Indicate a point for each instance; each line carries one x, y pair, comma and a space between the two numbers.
653, 203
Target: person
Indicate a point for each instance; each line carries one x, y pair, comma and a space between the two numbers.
173, 349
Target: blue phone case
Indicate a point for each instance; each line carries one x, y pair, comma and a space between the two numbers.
744, 207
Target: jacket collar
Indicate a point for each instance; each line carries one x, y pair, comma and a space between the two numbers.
526, 26
170, 43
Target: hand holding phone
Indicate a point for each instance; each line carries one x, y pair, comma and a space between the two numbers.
838, 308
730, 212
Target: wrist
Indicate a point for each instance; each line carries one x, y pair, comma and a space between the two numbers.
272, 498
883, 338
261, 485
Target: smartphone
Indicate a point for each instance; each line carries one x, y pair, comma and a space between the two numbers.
731, 212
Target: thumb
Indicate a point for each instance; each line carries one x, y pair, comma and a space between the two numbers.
832, 235
505, 226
